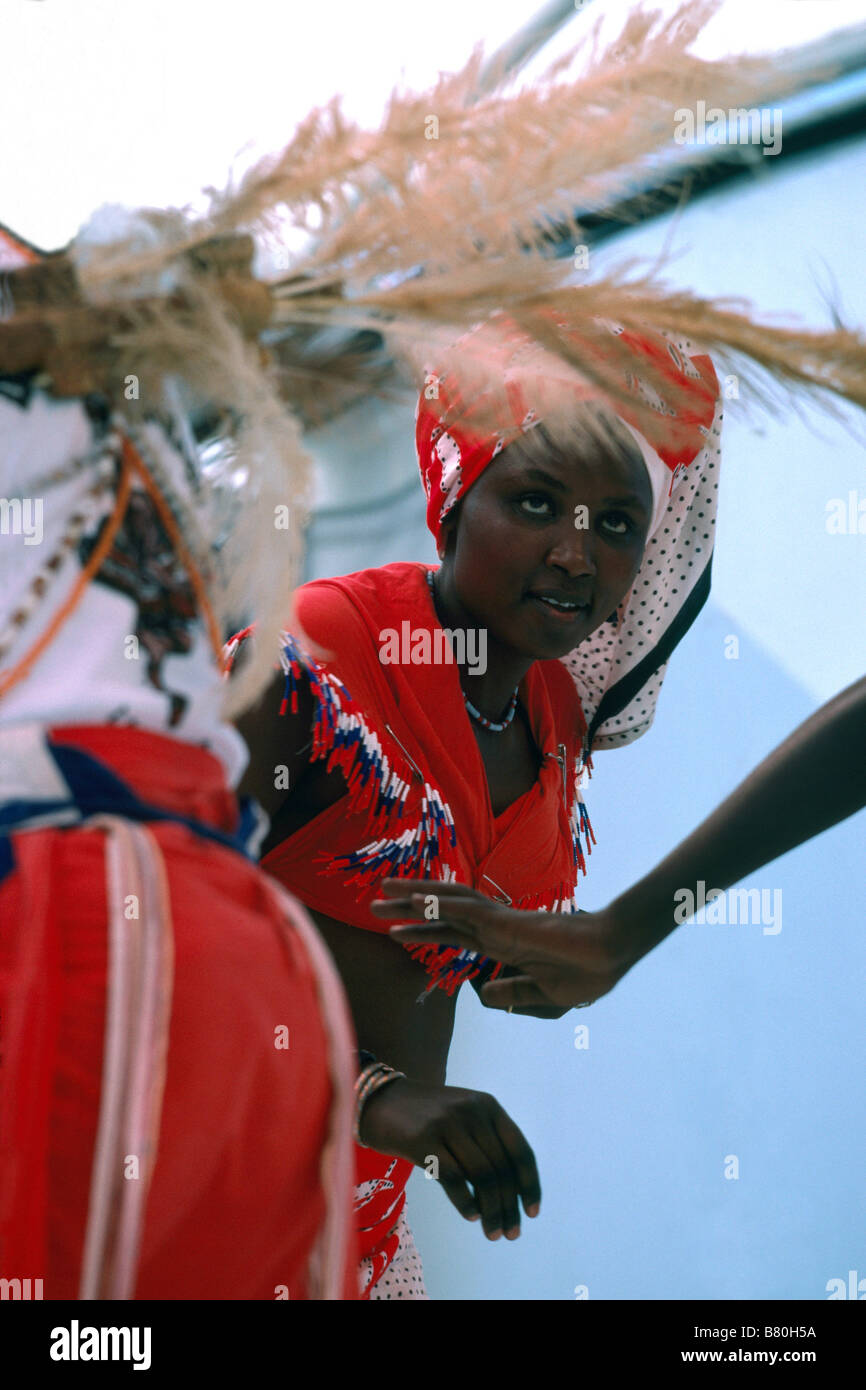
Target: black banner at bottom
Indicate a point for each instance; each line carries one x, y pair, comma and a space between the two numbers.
63, 1339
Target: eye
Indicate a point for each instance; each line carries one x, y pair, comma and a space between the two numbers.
617, 523
534, 503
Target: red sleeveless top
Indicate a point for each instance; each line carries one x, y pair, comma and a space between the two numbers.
418, 802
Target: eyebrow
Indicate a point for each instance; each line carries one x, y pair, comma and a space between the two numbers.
543, 477
626, 499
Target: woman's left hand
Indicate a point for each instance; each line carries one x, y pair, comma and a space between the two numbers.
564, 960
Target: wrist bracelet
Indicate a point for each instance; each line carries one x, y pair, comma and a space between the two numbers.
372, 1078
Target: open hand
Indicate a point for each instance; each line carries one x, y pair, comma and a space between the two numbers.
564, 959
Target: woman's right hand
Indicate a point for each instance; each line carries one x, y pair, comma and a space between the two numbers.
481, 1158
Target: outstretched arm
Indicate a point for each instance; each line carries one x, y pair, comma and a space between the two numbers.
813, 780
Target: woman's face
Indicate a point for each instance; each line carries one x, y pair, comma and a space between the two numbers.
521, 543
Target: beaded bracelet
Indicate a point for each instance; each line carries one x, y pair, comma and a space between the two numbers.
372, 1078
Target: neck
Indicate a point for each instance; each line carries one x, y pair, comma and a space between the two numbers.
491, 690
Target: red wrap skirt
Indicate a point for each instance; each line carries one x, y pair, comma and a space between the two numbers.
211, 1156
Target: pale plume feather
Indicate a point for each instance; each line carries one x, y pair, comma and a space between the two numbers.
414, 239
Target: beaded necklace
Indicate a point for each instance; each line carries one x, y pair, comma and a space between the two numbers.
492, 725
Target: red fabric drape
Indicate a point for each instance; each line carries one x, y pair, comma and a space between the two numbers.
235, 1202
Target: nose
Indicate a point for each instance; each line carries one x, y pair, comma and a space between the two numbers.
574, 552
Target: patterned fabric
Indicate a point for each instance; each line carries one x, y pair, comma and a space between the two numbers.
380, 1200
619, 669
404, 1276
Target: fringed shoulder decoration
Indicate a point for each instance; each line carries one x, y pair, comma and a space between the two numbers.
343, 734
409, 824
411, 836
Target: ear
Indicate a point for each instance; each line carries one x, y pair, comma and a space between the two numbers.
447, 533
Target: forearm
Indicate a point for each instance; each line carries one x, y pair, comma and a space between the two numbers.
813, 780
382, 984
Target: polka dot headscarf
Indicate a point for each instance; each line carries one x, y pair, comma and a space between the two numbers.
619, 668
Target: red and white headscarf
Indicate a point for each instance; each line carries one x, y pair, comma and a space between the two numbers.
619, 668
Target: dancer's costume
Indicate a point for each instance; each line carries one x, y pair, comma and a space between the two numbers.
418, 803
176, 1079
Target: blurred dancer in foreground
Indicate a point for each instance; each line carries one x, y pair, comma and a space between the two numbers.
175, 1094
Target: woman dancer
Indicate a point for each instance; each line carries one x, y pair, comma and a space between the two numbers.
590, 538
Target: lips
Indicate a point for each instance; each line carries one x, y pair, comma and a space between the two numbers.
564, 607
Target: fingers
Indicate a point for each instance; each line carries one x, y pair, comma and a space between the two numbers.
502, 1184
536, 1003
493, 1157
456, 1184
482, 1159
517, 992
417, 905
458, 930
405, 887
483, 1174
559, 993
522, 1159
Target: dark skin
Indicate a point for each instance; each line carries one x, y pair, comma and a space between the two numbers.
511, 538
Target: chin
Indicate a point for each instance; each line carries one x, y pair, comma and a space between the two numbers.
548, 647
551, 651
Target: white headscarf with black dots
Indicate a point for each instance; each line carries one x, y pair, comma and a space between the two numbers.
619, 668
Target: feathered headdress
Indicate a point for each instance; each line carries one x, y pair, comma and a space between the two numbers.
414, 232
